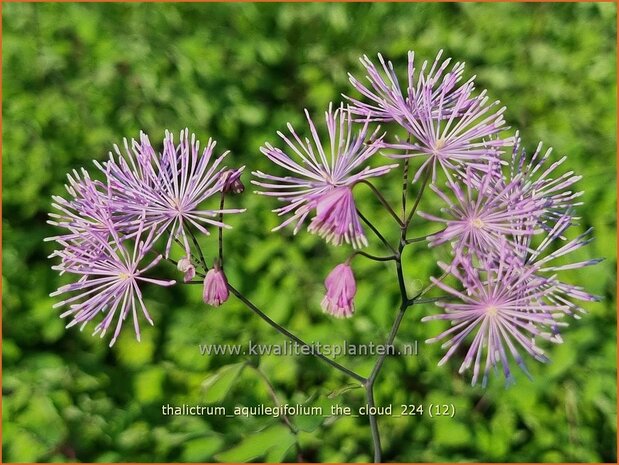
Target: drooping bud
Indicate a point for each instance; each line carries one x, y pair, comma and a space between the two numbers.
215, 290
233, 181
341, 290
184, 265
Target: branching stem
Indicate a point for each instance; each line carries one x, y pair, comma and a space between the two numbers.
382, 200
405, 301
423, 238
377, 232
424, 182
376, 258
280, 329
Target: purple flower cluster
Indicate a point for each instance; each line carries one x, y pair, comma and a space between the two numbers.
505, 221
112, 227
447, 125
322, 180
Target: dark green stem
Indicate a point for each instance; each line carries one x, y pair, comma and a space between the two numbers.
423, 238
405, 303
382, 200
373, 257
221, 232
197, 246
376, 231
426, 177
288, 334
369, 391
404, 189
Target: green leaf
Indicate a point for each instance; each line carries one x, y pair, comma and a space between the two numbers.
450, 433
201, 449
339, 392
309, 423
278, 453
276, 437
149, 384
218, 385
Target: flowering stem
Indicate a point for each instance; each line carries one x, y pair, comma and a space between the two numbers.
405, 182
382, 200
404, 188
373, 257
221, 232
279, 328
419, 194
369, 385
389, 342
377, 232
369, 391
405, 303
296, 339
197, 246
423, 238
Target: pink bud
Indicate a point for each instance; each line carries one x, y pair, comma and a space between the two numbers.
233, 181
341, 290
215, 290
184, 265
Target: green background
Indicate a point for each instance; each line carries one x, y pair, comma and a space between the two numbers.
80, 77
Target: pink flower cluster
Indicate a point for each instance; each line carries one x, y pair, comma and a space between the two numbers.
112, 227
505, 220
501, 219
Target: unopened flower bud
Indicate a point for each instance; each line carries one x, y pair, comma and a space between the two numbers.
215, 290
184, 265
233, 181
341, 290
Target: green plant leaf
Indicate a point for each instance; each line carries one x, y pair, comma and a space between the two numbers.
218, 385
276, 438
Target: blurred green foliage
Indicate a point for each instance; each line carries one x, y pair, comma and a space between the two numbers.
80, 77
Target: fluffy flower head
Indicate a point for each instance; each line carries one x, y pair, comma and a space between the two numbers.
323, 177
169, 188
482, 220
542, 260
389, 102
504, 312
108, 274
